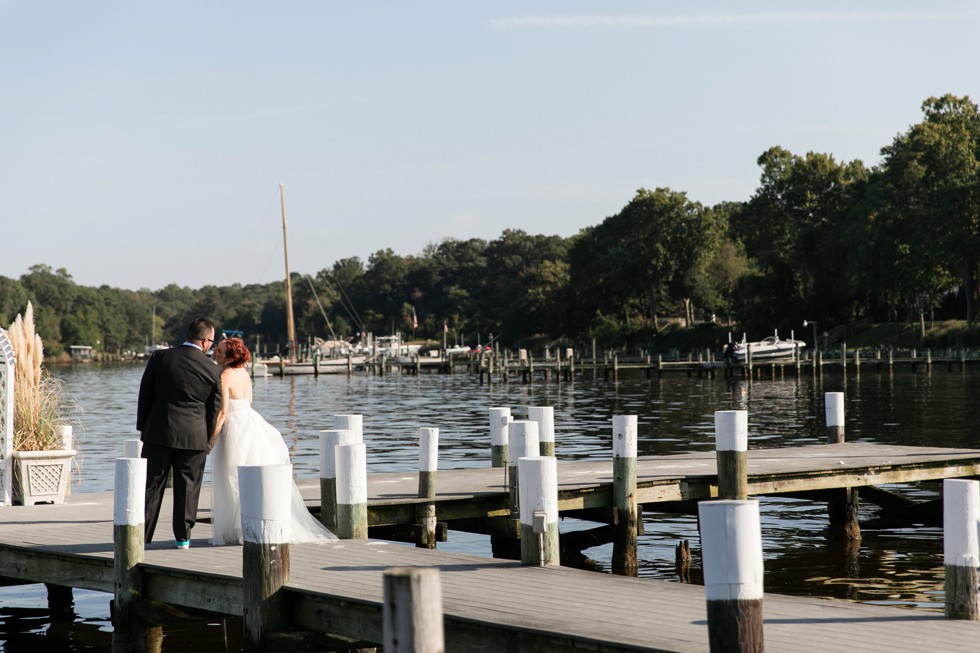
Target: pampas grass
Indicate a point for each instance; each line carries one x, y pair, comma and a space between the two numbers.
37, 395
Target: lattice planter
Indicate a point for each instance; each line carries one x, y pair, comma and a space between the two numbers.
41, 476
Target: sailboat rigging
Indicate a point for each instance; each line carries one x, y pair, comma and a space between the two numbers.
290, 324
289, 364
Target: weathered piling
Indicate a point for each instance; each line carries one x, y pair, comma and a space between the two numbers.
127, 537
731, 550
428, 466
842, 507
539, 510
352, 521
412, 611
731, 453
523, 436
329, 440
834, 412
266, 500
499, 419
624, 558
545, 417
961, 551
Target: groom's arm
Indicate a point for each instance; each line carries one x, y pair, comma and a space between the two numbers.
147, 388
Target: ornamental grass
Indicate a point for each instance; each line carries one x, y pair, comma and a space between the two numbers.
37, 395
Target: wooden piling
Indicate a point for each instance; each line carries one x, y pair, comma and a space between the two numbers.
412, 611
731, 453
499, 421
539, 510
834, 411
329, 440
352, 521
127, 536
961, 551
731, 551
523, 436
266, 501
624, 558
842, 507
428, 467
545, 417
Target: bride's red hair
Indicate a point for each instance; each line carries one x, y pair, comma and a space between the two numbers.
236, 352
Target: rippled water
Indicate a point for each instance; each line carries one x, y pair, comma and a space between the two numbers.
675, 415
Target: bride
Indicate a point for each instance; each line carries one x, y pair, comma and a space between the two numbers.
243, 437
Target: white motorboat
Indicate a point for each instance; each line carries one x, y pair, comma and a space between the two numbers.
771, 348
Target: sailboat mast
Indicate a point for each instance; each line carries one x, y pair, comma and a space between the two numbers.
290, 325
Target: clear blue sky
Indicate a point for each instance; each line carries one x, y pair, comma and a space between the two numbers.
143, 143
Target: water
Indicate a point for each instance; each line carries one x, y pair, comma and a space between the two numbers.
676, 415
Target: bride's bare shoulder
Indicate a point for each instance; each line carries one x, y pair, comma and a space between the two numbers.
237, 382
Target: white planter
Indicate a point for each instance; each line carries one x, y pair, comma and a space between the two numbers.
41, 476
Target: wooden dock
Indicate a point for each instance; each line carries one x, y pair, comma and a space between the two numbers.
703, 364
499, 605
481, 493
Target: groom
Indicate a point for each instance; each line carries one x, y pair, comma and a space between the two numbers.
179, 399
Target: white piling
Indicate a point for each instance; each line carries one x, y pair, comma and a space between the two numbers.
329, 440
499, 420
624, 560
523, 435
352, 523
842, 507
731, 452
67, 436
539, 502
961, 551
350, 422
834, 410
731, 549
132, 448
428, 466
128, 525
545, 417
266, 496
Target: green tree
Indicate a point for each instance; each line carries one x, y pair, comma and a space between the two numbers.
651, 258
13, 300
794, 228
933, 174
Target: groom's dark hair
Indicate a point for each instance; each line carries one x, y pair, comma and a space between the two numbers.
199, 329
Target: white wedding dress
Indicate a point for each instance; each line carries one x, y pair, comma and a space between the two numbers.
247, 439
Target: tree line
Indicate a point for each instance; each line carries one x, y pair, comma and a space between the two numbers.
819, 239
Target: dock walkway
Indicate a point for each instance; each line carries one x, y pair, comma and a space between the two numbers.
499, 605
481, 493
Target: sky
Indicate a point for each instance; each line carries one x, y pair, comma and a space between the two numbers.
143, 144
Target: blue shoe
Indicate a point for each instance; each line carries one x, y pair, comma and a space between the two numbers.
183, 544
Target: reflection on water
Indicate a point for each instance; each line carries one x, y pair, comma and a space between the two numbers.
675, 415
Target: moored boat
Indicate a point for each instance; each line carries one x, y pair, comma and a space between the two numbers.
771, 348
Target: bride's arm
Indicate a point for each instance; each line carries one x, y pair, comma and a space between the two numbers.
225, 400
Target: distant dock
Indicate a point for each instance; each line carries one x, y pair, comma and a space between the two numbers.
494, 368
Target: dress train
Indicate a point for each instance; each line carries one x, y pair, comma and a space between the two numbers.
247, 439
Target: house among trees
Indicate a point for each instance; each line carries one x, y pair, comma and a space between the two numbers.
80, 352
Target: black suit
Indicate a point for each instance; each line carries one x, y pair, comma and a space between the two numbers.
179, 399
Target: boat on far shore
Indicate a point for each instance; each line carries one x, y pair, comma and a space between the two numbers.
771, 348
